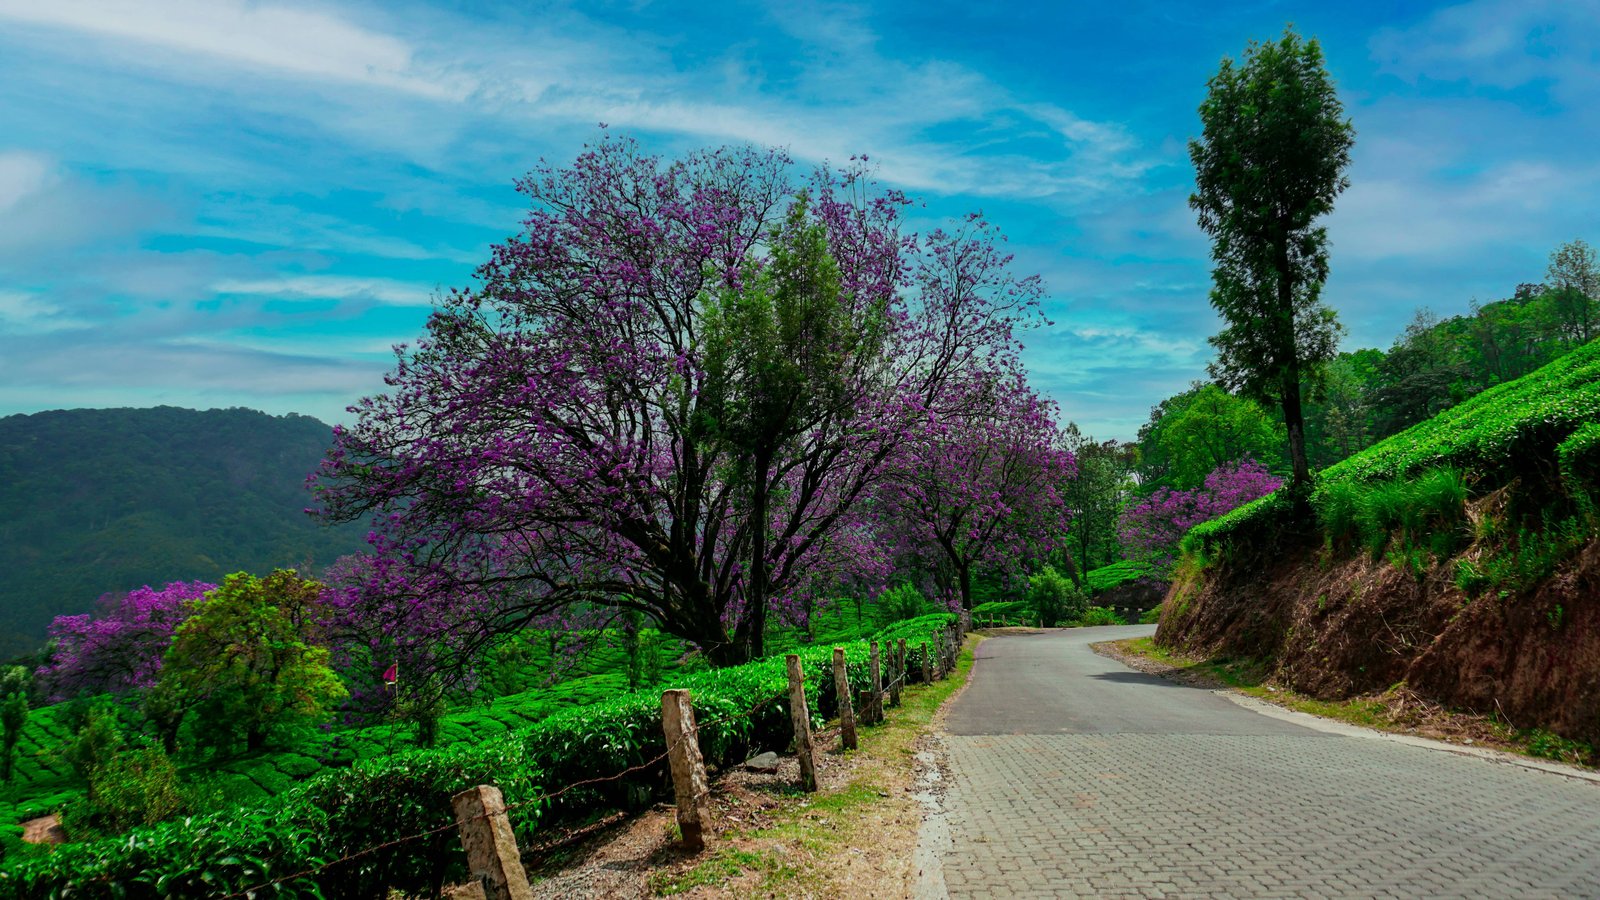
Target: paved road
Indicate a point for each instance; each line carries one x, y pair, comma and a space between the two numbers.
1072, 775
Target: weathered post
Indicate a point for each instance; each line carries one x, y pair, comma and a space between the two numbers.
899, 669
847, 713
800, 713
492, 855
688, 767
876, 708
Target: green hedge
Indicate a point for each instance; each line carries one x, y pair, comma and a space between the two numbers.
344, 811
1544, 421
1116, 575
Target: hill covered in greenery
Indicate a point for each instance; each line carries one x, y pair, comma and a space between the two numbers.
1460, 557
102, 500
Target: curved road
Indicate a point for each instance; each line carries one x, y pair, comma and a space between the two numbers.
1072, 775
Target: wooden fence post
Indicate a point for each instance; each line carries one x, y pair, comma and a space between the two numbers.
899, 670
688, 767
801, 715
847, 713
927, 664
492, 855
875, 669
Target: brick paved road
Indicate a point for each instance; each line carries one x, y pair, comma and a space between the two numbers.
1071, 775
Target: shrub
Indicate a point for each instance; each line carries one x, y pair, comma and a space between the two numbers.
1054, 598
1579, 460
900, 602
1151, 616
1099, 615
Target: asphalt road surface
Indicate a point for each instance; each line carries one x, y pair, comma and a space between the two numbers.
1071, 775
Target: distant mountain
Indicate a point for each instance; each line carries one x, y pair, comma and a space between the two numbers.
101, 500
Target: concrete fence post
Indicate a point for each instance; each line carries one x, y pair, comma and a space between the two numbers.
875, 707
688, 767
899, 669
492, 855
800, 713
847, 713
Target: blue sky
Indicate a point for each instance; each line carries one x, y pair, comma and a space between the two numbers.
223, 203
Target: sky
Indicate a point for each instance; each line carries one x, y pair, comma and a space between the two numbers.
215, 203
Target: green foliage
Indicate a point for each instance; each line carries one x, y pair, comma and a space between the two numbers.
1579, 460
1015, 612
1054, 598
1494, 435
1099, 615
14, 708
1271, 159
1514, 432
1151, 616
1424, 513
902, 601
133, 786
100, 500
341, 812
248, 660
1192, 434
1116, 575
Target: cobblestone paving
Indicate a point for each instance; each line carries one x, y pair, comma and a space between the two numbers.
1132, 812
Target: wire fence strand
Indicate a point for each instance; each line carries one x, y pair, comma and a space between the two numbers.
250, 892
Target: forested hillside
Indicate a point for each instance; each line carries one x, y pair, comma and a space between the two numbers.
100, 500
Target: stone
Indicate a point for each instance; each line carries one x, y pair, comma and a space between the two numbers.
764, 762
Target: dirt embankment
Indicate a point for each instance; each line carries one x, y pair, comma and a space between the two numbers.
1337, 627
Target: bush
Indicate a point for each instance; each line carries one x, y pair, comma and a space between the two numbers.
1579, 460
1099, 615
900, 602
381, 799
137, 786
1151, 616
1054, 598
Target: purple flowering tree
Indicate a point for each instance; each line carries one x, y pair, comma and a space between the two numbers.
980, 488
1151, 529
120, 648
555, 440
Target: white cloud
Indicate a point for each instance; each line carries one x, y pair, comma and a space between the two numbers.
21, 175
332, 287
24, 313
286, 39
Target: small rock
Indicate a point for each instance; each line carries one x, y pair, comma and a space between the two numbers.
765, 762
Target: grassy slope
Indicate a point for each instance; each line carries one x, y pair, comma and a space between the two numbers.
1510, 428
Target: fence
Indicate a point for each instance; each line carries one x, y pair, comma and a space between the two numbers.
480, 814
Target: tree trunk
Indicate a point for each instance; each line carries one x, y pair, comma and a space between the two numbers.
757, 593
966, 585
1294, 420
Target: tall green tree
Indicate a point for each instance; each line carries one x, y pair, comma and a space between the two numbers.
251, 657
1270, 162
778, 347
1095, 495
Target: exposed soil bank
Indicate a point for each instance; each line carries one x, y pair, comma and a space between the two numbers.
1342, 626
